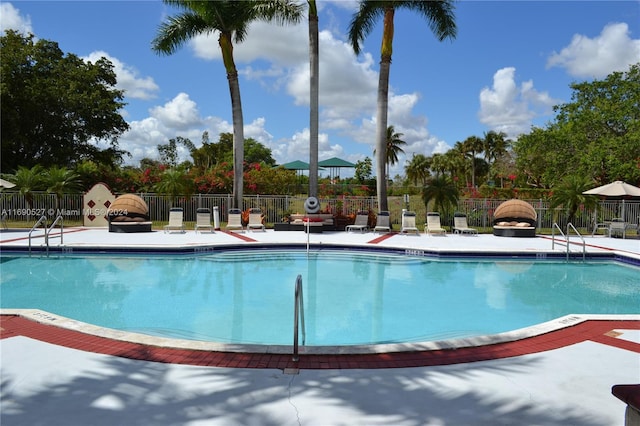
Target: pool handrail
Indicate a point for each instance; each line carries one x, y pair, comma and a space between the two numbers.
47, 231
42, 219
298, 318
567, 238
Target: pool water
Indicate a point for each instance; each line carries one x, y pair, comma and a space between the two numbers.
350, 298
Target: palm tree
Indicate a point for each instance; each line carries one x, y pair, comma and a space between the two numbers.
28, 180
444, 194
174, 183
439, 15
494, 145
569, 194
230, 19
393, 143
417, 170
472, 146
60, 180
314, 89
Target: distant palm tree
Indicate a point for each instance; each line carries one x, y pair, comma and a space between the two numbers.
230, 19
444, 194
393, 144
472, 146
495, 145
60, 180
569, 194
28, 180
417, 170
439, 15
175, 183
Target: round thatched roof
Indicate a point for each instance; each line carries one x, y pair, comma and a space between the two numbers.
515, 209
130, 203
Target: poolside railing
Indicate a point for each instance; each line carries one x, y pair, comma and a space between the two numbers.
479, 211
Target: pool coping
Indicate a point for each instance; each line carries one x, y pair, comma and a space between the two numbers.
602, 331
49, 319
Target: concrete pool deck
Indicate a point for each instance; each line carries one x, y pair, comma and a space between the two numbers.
566, 380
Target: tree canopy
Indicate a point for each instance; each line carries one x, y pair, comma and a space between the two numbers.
54, 105
596, 135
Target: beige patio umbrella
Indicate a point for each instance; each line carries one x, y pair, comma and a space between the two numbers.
617, 190
5, 184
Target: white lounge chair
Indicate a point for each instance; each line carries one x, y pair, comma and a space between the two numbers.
409, 223
203, 220
382, 222
175, 220
361, 224
255, 220
460, 225
234, 222
433, 224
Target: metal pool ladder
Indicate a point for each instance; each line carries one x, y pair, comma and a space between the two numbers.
567, 239
48, 231
43, 219
298, 318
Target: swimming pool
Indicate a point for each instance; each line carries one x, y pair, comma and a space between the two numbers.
350, 298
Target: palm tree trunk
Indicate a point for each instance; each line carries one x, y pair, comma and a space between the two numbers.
236, 113
314, 88
238, 139
383, 105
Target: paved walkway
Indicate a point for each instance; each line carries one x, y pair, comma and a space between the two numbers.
561, 380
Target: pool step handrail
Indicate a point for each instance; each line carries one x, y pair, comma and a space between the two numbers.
584, 245
298, 318
567, 242
43, 219
47, 231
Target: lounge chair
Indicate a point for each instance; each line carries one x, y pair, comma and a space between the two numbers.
433, 224
409, 223
382, 222
235, 220
460, 225
175, 220
203, 220
617, 228
361, 224
255, 220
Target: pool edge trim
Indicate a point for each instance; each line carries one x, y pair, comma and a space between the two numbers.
567, 321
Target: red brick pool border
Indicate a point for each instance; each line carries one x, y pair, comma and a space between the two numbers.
593, 330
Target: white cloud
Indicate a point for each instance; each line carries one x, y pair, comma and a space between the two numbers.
11, 19
127, 76
269, 42
180, 117
510, 109
613, 50
179, 113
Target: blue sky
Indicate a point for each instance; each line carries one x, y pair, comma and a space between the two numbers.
510, 63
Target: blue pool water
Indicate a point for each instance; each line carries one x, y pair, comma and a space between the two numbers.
349, 297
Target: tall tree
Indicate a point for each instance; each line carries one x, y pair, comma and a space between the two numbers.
439, 15
53, 105
314, 89
230, 19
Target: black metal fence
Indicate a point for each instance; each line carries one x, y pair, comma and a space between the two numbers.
479, 211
